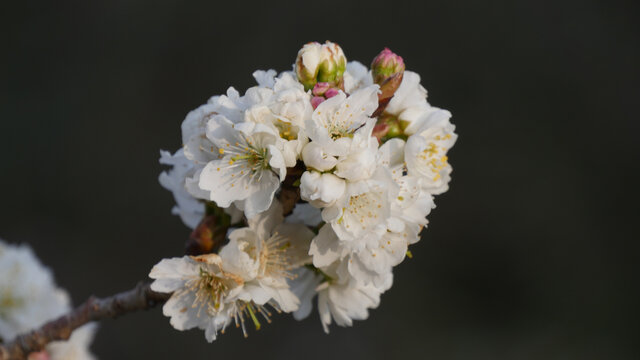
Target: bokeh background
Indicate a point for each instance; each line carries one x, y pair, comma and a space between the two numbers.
532, 254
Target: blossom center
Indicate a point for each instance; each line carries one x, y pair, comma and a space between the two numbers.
246, 156
364, 209
209, 290
8, 302
433, 156
274, 257
286, 130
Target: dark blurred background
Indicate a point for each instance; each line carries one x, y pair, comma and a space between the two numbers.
530, 255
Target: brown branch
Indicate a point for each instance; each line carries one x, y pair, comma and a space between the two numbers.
139, 298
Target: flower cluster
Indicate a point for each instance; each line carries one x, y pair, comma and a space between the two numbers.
321, 178
29, 298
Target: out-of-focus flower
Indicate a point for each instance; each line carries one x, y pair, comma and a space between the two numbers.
29, 298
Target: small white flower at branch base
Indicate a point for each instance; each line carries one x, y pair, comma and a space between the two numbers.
250, 166
190, 209
426, 152
204, 296
212, 291
29, 298
265, 253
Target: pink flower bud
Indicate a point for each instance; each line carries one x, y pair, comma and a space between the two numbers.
386, 65
388, 70
331, 93
320, 88
40, 355
380, 131
316, 100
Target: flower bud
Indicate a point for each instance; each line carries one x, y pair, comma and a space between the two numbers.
388, 127
320, 63
386, 65
331, 93
322, 91
316, 101
210, 233
387, 70
320, 88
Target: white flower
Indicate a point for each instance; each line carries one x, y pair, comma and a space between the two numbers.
304, 285
190, 209
291, 108
204, 295
29, 298
409, 103
335, 121
359, 163
362, 213
266, 252
345, 301
341, 132
368, 263
265, 78
197, 147
426, 152
28, 294
413, 202
356, 76
321, 190
315, 157
211, 291
77, 347
250, 167
339, 297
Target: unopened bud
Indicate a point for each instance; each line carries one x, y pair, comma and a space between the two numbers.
39, 355
210, 233
320, 63
317, 100
322, 91
331, 93
380, 131
386, 65
388, 127
387, 70
320, 88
